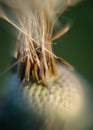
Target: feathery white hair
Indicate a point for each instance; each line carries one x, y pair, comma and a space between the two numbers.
35, 20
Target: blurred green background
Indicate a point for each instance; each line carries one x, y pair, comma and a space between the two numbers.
77, 45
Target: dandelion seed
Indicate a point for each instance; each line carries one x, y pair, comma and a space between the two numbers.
36, 23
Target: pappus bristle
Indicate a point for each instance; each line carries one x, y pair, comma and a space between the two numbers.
36, 20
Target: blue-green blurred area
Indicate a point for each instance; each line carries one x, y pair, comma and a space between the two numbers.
7, 45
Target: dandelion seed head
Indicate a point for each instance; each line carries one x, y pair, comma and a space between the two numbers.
35, 21
65, 101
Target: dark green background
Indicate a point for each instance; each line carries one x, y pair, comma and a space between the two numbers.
77, 45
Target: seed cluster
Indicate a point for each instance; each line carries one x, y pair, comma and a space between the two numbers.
65, 97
